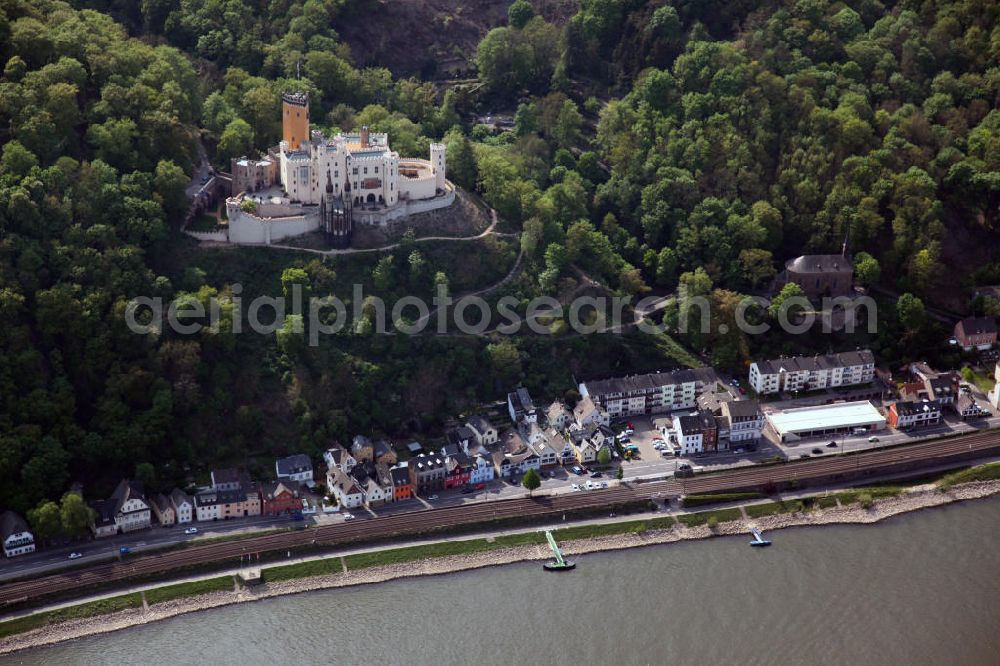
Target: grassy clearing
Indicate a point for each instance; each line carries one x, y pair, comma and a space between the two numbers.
322, 567
700, 500
90, 609
988, 472
702, 517
773, 508
856, 495
204, 222
826, 502
161, 595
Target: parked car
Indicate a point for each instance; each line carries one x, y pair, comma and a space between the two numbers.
873, 439
817, 452
552, 474
575, 486
804, 456
191, 530
480, 486
124, 550
593, 485
467, 490
831, 445
596, 475
348, 516
577, 470
432, 497
75, 556
604, 484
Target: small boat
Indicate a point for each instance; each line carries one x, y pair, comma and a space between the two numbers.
758, 539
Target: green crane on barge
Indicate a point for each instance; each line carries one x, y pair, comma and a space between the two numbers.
560, 563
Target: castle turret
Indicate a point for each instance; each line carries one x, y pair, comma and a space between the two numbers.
438, 151
295, 119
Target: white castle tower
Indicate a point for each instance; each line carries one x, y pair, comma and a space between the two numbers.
438, 152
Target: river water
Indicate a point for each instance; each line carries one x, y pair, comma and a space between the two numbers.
920, 589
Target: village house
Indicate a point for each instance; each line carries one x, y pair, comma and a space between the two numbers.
163, 510
460, 439
904, 415
524, 460
427, 472
103, 513
227, 479
501, 463
383, 453
16, 537
485, 433
402, 487
558, 416
586, 413
458, 470
212, 504
745, 420
347, 491
697, 433
183, 506
967, 407
810, 373
940, 386
482, 469
131, 509
280, 497
565, 453
362, 449
375, 482
586, 451
976, 333
295, 468
521, 407
339, 457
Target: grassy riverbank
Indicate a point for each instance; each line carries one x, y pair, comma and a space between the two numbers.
89, 609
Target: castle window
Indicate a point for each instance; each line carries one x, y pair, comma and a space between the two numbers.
376, 169
355, 171
366, 171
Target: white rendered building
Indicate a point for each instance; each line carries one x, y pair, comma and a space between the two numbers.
329, 184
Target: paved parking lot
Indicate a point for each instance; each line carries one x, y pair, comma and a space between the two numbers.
651, 462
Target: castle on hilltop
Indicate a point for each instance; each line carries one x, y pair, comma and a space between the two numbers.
310, 183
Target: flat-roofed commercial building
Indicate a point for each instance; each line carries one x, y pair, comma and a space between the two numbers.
845, 417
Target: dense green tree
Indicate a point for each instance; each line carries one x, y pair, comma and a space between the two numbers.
910, 311
531, 480
519, 13
75, 516
866, 269
45, 521
783, 301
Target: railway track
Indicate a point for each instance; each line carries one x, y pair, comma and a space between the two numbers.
447, 517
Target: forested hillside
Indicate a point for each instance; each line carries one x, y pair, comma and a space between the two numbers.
654, 144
